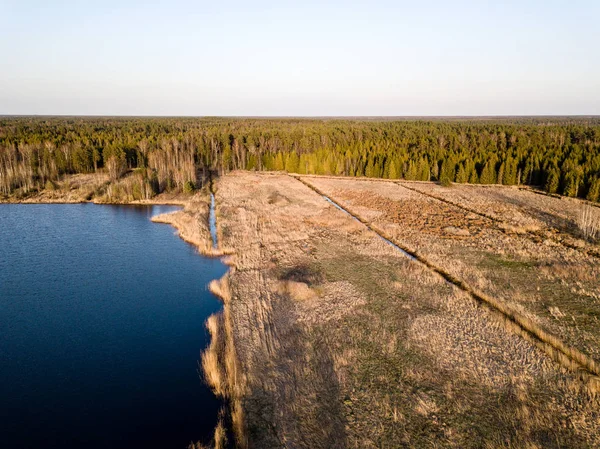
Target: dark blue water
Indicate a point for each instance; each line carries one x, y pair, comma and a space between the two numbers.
102, 324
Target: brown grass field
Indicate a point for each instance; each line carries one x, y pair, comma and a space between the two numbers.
555, 286
332, 338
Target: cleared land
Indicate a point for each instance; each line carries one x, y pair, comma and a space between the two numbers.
333, 338
555, 286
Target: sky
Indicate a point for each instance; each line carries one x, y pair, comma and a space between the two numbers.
302, 58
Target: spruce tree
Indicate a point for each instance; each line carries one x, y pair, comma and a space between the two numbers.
488, 174
500, 178
393, 172
473, 176
448, 172
552, 180
411, 172
594, 190
571, 183
461, 174
424, 174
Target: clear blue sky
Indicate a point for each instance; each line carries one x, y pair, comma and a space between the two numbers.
235, 57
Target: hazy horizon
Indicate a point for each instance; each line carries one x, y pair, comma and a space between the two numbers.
270, 59
386, 117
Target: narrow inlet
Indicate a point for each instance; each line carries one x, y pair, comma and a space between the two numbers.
212, 221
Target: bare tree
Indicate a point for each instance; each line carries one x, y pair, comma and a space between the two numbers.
589, 222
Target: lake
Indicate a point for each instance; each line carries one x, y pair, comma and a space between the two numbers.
102, 323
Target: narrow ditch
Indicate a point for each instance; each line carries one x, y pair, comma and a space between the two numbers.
571, 358
226, 433
389, 242
212, 222
212, 215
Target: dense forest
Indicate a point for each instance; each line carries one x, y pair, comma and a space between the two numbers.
560, 155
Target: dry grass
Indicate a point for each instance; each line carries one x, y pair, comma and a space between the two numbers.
343, 342
521, 210
220, 363
527, 277
211, 366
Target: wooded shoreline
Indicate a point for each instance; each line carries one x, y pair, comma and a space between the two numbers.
559, 154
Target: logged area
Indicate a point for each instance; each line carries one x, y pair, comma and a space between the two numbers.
332, 337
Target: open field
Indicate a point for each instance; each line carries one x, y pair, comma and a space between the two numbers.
335, 339
553, 285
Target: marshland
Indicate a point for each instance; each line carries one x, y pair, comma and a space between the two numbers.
327, 336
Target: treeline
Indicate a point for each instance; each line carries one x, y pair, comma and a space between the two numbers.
561, 155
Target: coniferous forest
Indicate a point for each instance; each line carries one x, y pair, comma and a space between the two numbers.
559, 155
